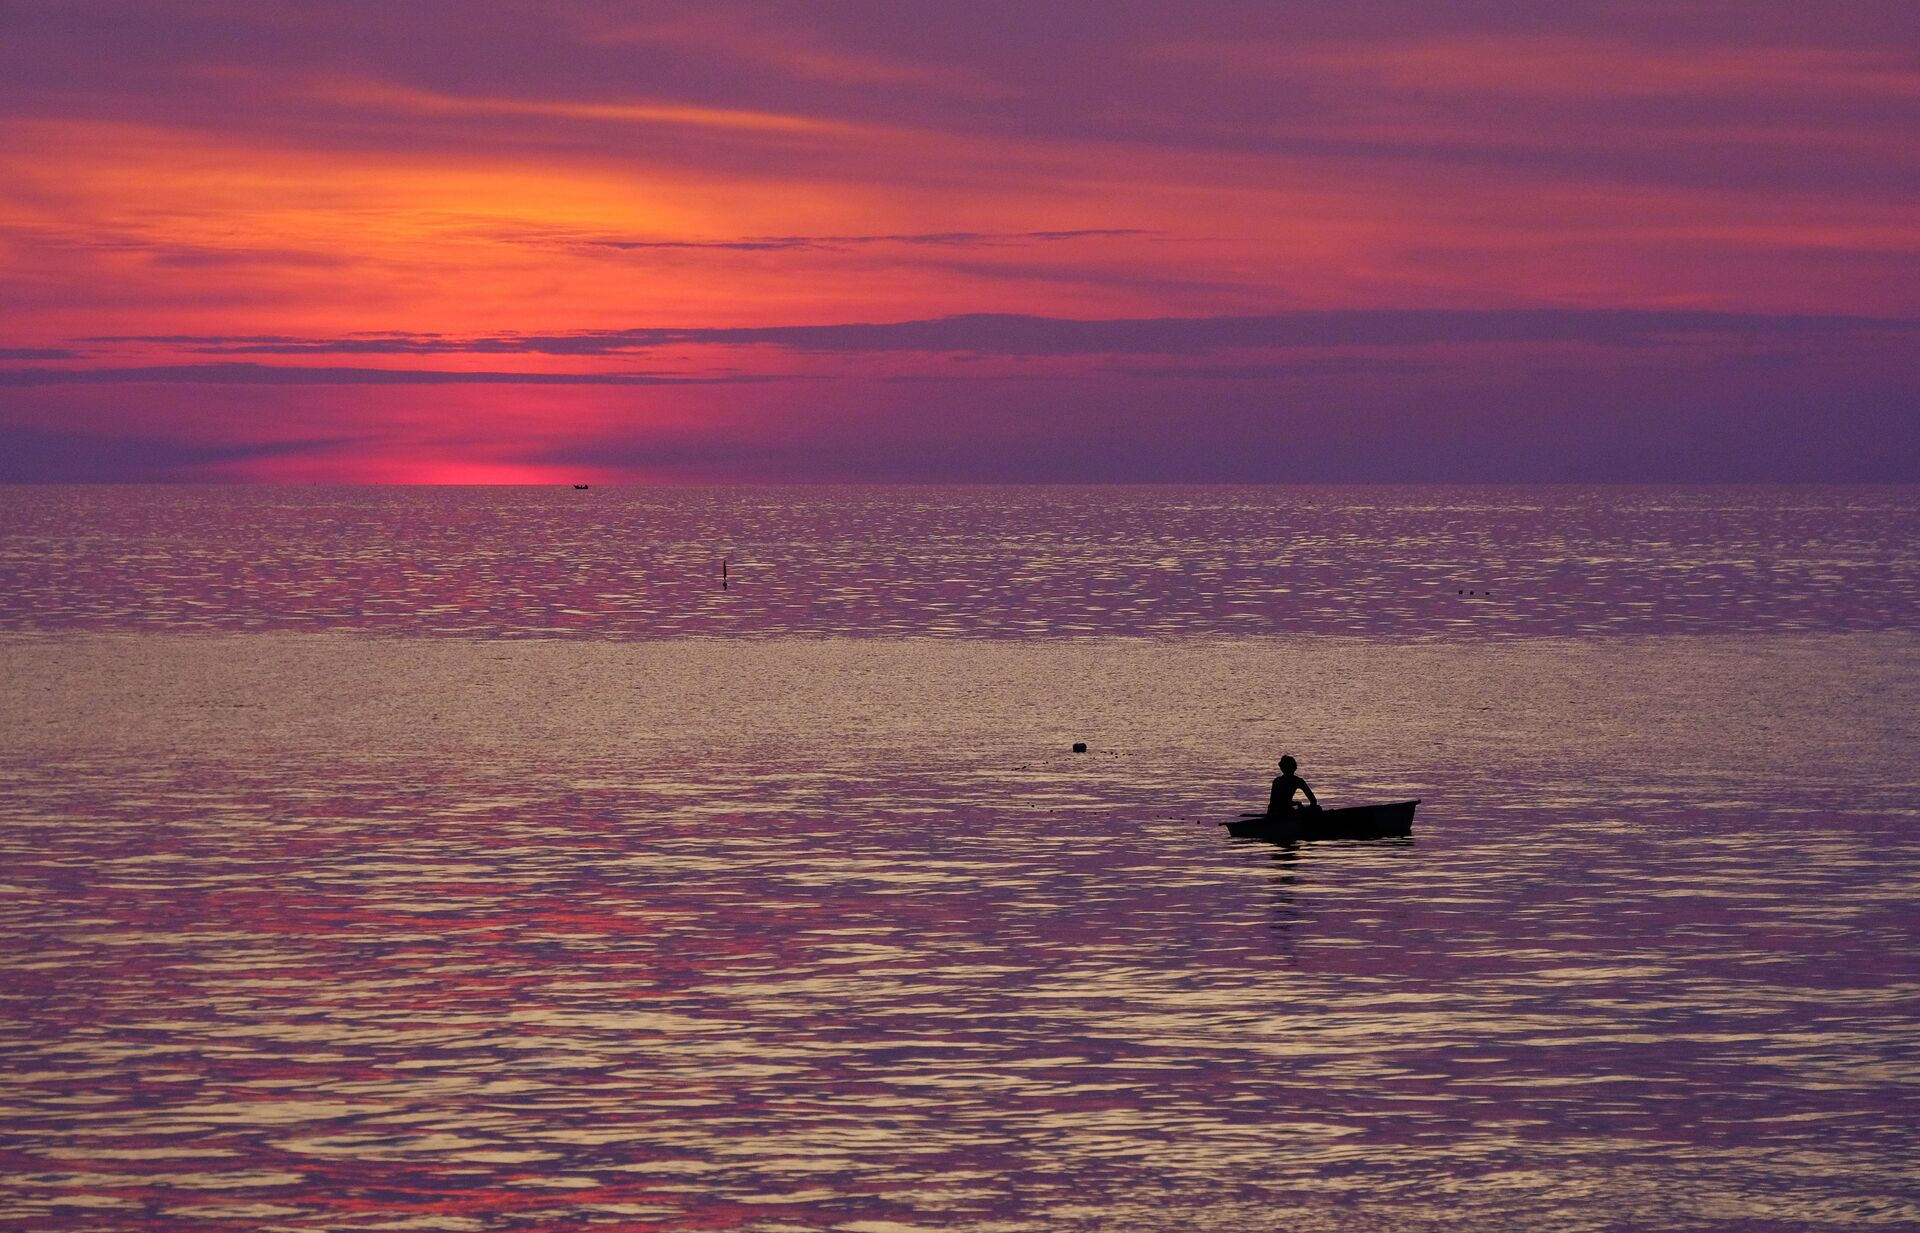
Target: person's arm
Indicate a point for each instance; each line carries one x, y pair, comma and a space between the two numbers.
1313, 802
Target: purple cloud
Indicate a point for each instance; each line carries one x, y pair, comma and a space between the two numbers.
276, 374
828, 243
1367, 366
35, 455
1014, 334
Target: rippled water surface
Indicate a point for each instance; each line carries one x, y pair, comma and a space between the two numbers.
342, 927
1005, 562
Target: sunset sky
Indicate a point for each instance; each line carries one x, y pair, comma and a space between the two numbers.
650, 242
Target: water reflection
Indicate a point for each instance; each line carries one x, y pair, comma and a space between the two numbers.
1282, 879
512, 969
1426, 562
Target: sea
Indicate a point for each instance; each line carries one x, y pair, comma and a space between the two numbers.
632, 859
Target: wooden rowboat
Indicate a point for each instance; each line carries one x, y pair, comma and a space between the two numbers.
1353, 822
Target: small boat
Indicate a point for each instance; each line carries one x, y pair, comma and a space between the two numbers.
1353, 822
579, 487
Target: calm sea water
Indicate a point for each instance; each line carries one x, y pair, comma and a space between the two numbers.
997, 562
468, 860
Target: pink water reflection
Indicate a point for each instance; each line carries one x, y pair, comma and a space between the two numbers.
616, 957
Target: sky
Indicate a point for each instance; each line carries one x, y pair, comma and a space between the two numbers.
916, 240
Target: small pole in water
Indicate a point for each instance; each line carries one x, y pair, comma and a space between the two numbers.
723, 573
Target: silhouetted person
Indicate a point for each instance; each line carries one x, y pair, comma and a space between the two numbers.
1280, 800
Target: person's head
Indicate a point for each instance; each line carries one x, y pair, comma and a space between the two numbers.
1287, 764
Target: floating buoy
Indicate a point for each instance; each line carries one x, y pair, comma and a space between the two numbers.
1079, 747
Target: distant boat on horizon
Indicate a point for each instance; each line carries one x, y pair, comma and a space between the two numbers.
579, 487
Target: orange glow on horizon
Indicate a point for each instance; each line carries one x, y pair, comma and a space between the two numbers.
386, 200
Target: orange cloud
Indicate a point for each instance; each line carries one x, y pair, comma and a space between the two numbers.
255, 174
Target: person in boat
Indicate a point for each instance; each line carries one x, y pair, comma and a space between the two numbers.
1280, 800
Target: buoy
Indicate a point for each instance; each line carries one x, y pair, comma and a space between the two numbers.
1079, 747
